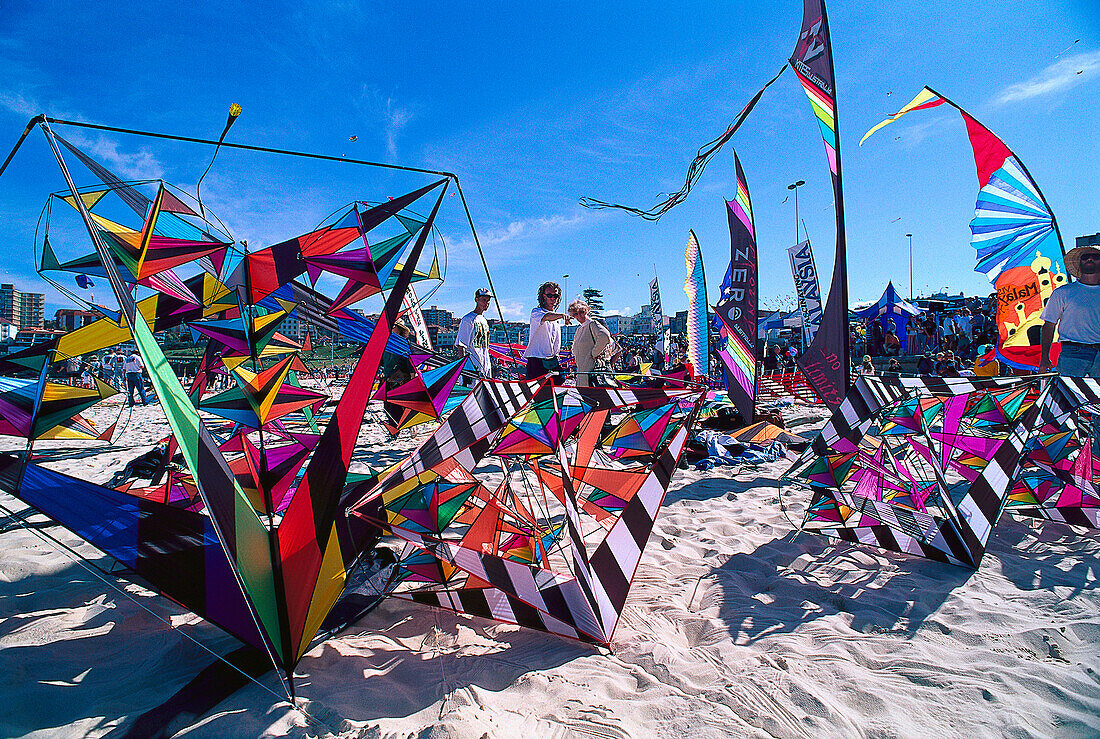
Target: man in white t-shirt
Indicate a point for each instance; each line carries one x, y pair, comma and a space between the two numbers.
473, 334
1075, 309
544, 341
134, 379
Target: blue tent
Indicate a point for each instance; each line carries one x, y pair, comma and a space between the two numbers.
891, 307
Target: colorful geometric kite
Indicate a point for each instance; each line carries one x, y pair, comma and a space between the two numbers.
919, 465
552, 541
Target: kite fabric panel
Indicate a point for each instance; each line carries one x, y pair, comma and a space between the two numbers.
737, 307
1014, 234
825, 361
698, 329
1059, 477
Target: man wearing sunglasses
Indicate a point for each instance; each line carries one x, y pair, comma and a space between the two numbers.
544, 341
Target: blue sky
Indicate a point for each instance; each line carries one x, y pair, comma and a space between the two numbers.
536, 105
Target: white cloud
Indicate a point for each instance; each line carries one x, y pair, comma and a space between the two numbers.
1058, 76
396, 120
514, 310
16, 103
460, 250
137, 165
377, 106
538, 227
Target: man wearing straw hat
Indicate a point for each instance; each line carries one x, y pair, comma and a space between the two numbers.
1075, 309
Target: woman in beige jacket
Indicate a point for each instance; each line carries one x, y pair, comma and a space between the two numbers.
589, 342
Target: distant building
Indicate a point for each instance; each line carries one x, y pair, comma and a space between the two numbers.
618, 325
8, 330
30, 336
567, 335
1093, 240
645, 323
439, 317
517, 332
70, 319
678, 324
25, 310
444, 340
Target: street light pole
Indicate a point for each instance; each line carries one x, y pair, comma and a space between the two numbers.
795, 187
910, 236
565, 289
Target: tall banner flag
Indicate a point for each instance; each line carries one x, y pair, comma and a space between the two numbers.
825, 361
695, 285
1015, 235
655, 297
416, 318
737, 307
658, 316
807, 289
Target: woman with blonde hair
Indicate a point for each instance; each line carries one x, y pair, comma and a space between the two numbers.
589, 342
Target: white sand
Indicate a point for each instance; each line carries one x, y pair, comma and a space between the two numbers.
737, 625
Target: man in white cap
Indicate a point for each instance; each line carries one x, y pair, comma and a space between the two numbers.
473, 334
1075, 309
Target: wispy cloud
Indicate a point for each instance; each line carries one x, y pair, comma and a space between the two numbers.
394, 117
514, 310
17, 103
396, 120
1059, 76
517, 234
129, 165
533, 228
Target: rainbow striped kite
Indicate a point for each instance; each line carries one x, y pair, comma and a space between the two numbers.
1014, 233
825, 360
698, 337
736, 309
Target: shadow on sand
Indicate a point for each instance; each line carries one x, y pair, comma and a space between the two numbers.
795, 579
120, 669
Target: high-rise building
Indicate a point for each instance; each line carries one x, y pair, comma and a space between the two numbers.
436, 316
25, 310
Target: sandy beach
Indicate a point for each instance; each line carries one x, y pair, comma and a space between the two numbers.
737, 625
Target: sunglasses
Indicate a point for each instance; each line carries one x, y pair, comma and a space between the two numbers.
551, 295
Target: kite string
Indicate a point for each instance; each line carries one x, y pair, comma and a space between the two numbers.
695, 169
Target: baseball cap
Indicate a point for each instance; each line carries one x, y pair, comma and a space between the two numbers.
482, 293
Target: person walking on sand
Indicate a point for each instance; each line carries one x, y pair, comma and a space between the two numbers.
118, 366
590, 342
545, 335
1074, 309
134, 380
473, 334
